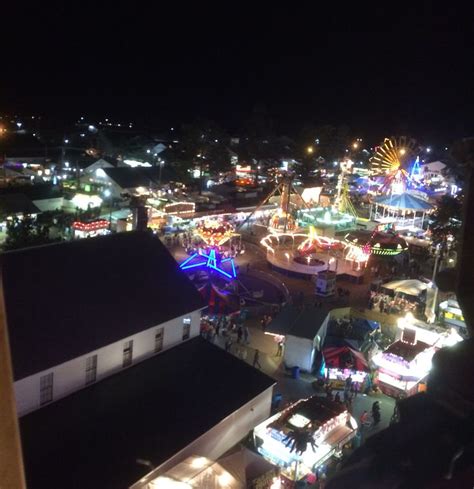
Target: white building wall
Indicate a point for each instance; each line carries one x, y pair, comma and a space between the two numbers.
299, 352
71, 376
221, 437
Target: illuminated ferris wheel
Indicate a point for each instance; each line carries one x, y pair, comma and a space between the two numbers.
395, 153
396, 160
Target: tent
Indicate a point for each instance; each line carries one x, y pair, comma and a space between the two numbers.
410, 287
345, 357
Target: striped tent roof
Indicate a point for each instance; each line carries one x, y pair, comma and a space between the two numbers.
404, 201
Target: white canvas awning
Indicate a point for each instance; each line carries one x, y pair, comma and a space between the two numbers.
410, 287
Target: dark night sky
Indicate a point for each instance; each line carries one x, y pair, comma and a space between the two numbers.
387, 70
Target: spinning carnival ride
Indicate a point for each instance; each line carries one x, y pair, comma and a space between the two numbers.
215, 232
395, 161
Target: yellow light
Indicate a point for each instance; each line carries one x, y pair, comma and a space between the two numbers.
310, 150
355, 145
403, 151
199, 462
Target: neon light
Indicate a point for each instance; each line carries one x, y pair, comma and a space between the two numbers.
211, 260
188, 260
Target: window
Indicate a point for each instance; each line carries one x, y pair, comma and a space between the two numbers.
46, 388
127, 353
91, 369
159, 340
186, 328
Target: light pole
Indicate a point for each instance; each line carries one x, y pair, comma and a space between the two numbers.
108, 196
435, 270
161, 163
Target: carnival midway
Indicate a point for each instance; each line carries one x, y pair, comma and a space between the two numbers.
326, 283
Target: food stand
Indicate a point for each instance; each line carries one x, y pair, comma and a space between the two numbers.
342, 362
302, 437
403, 367
90, 228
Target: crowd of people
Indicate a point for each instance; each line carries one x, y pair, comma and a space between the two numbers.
384, 303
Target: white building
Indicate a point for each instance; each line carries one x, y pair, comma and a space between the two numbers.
433, 170
79, 312
304, 330
109, 367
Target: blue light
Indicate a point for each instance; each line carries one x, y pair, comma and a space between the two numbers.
188, 260
211, 260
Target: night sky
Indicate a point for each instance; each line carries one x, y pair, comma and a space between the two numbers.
387, 70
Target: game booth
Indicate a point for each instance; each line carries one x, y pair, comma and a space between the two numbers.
89, 229
342, 362
305, 435
402, 369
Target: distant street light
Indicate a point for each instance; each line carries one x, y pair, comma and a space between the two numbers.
355, 145
161, 163
310, 150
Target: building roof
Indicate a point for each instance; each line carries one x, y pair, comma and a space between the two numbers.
403, 201
17, 203
92, 438
297, 321
34, 192
65, 300
407, 351
126, 177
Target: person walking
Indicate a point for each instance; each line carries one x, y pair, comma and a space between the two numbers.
364, 418
256, 359
376, 412
239, 334
337, 397
228, 344
246, 335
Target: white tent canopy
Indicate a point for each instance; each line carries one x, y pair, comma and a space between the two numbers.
410, 287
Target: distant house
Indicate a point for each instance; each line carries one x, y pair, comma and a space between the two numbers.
81, 311
98, 165
16, 205
132, 180
433, 170
46, 197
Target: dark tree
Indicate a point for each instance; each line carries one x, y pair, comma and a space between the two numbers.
26, 232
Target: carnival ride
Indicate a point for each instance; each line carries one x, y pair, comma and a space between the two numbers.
212, 260
283, 219
401, 194
393, 160
215, 232
383, 241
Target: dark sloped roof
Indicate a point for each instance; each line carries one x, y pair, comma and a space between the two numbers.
92, 438
129, 177
65, 300
17, 203
34, 192
126, 177
297, 321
